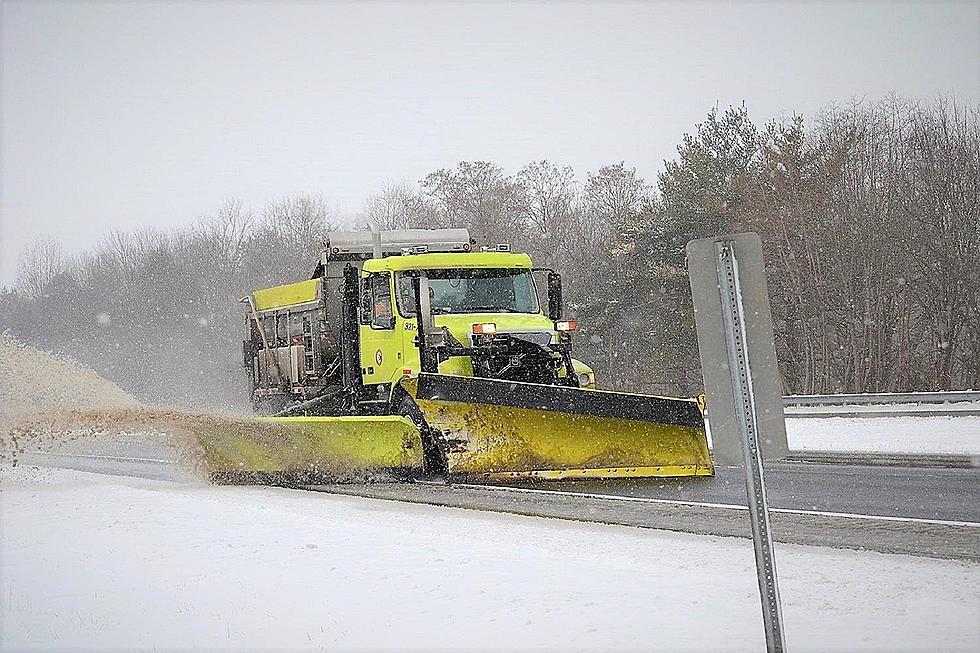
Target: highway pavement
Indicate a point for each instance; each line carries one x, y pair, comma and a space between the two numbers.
922, 493
918, 511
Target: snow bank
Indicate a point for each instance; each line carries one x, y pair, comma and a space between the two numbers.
99, 562
955, 435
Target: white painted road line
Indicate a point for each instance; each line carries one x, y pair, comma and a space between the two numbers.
587, 495
726, 506
121, 459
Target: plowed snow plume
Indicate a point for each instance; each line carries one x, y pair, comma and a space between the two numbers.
55, 404
57, 411
33, 381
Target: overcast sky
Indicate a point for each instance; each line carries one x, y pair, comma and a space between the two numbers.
129, 114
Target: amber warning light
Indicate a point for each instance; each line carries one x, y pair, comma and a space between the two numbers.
487, 328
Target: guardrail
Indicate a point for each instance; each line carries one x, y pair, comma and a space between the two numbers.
959, 403
951, 397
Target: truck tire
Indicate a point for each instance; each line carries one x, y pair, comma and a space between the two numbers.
433, 458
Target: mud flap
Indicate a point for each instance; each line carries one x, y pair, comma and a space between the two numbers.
286, 450
495, 430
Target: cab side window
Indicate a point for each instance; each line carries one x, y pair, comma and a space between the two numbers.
406, 296
379, 290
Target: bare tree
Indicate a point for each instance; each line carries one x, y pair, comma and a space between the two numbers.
615, 194
546, 199
224, 236
300, 222
870, 226
397, 206
547, 195
40, 263
944, 190
478, 195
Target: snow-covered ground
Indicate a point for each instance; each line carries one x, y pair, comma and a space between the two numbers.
957, 435
114, 562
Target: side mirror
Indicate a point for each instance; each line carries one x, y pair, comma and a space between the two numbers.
554, 296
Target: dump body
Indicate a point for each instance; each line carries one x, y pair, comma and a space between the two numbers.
289, 361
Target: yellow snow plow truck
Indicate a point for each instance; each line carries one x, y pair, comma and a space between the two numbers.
409, 352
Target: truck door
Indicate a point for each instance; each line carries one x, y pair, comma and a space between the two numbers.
380, 341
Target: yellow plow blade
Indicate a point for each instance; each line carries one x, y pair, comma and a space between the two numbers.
502, 429
312, 449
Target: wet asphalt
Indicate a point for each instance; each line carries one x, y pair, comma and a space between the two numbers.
921, 493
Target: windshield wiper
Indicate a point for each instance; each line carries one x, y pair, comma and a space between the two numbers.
489, 309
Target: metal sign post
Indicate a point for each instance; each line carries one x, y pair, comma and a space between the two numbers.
735, 340
733, 315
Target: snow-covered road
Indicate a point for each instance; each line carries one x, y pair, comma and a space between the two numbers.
97, 562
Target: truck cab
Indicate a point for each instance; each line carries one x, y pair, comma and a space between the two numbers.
483, 309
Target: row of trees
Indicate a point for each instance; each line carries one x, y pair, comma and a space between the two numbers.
869, 217
870, 221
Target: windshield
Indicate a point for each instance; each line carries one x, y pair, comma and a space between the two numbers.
473, 291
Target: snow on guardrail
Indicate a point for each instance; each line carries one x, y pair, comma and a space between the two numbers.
959, 403
950, 397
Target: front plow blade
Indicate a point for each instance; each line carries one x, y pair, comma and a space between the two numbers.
312, 449
502, 429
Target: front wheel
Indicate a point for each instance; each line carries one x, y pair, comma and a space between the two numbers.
433, 458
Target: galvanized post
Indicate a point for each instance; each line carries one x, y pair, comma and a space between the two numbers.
747, 419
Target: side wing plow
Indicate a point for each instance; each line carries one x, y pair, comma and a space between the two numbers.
287, 450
